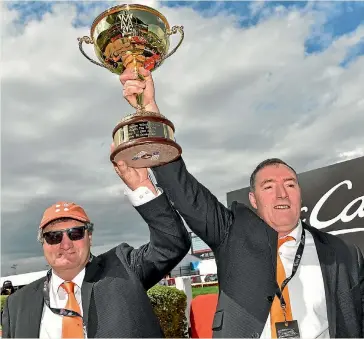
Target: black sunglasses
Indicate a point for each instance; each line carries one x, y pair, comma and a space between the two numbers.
74, 234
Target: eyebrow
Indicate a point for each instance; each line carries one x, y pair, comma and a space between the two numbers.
266, 181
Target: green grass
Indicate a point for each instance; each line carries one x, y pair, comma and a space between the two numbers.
2, 302
204, 290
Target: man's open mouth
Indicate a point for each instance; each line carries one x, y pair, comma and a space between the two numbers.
282, 207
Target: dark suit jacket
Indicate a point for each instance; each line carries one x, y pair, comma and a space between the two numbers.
245, 249
114, 299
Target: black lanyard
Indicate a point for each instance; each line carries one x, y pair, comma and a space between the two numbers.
59, 311
296, 263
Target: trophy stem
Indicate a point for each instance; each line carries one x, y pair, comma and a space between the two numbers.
140, 106
140, 96
135, 64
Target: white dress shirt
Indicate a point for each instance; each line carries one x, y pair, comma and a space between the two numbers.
306, 288
141, 195
51, 323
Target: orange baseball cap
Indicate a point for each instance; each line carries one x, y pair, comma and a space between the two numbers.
63, 209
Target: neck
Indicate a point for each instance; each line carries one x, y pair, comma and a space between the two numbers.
284, 233
68, 275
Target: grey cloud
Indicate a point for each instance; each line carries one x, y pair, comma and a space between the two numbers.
251, 96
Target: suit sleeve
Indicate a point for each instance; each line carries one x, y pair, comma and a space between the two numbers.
5, 320
169, 242
361, 282
201, 210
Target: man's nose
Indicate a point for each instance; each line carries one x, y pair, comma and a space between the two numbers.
281, 192
66, 242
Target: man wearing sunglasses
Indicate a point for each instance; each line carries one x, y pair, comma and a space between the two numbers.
84, 296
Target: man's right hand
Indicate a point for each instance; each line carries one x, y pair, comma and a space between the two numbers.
133, 86
133, 177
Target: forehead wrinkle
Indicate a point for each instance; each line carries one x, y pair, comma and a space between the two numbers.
289, 176
290, 179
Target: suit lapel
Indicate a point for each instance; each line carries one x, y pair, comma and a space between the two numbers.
91, 269
272, 243
327, 258
271, 237
33, 311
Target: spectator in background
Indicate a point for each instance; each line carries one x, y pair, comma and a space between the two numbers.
164, 281
7, 288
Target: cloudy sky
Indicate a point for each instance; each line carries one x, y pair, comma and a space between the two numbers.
250, 81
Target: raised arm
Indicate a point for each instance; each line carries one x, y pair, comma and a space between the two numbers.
203, 213
169, 239
169, 242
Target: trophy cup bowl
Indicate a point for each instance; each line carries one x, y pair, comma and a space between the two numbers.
133, 36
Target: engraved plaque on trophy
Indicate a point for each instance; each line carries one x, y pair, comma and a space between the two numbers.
133, 36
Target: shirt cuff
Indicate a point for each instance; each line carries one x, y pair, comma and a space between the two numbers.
141, 195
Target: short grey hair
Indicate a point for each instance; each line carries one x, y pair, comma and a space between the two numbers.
265, 163
89, 227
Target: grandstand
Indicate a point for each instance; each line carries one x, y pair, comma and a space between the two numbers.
20, 280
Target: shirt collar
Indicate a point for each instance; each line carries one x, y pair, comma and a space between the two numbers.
296, 233
57, 281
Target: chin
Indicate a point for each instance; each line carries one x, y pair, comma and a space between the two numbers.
65, 263
285, 227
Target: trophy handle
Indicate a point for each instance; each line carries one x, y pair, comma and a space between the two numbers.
174, 30
88, 40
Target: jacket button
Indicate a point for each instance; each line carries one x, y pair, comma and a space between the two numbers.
255, 335
270, 298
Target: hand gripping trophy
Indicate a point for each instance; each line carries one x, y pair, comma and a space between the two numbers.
133, 36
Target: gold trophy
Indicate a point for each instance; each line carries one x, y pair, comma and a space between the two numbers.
133, 36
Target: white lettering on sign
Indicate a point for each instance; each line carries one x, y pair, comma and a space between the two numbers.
343, 215
346, 231
304, 209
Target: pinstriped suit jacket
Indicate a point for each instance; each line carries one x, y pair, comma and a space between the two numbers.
245, 249
114, 299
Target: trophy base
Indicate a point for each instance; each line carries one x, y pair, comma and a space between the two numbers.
145, 140
147, 153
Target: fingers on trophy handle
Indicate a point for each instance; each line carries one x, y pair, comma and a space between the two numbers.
174, 30
140, 97
87, 40
134, 65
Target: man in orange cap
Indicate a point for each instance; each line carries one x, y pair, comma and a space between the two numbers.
68, 259
104, 296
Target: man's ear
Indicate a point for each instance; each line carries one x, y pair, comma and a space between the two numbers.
253, 200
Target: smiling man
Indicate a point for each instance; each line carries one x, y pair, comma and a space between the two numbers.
276, 195
96, 296
278, 277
